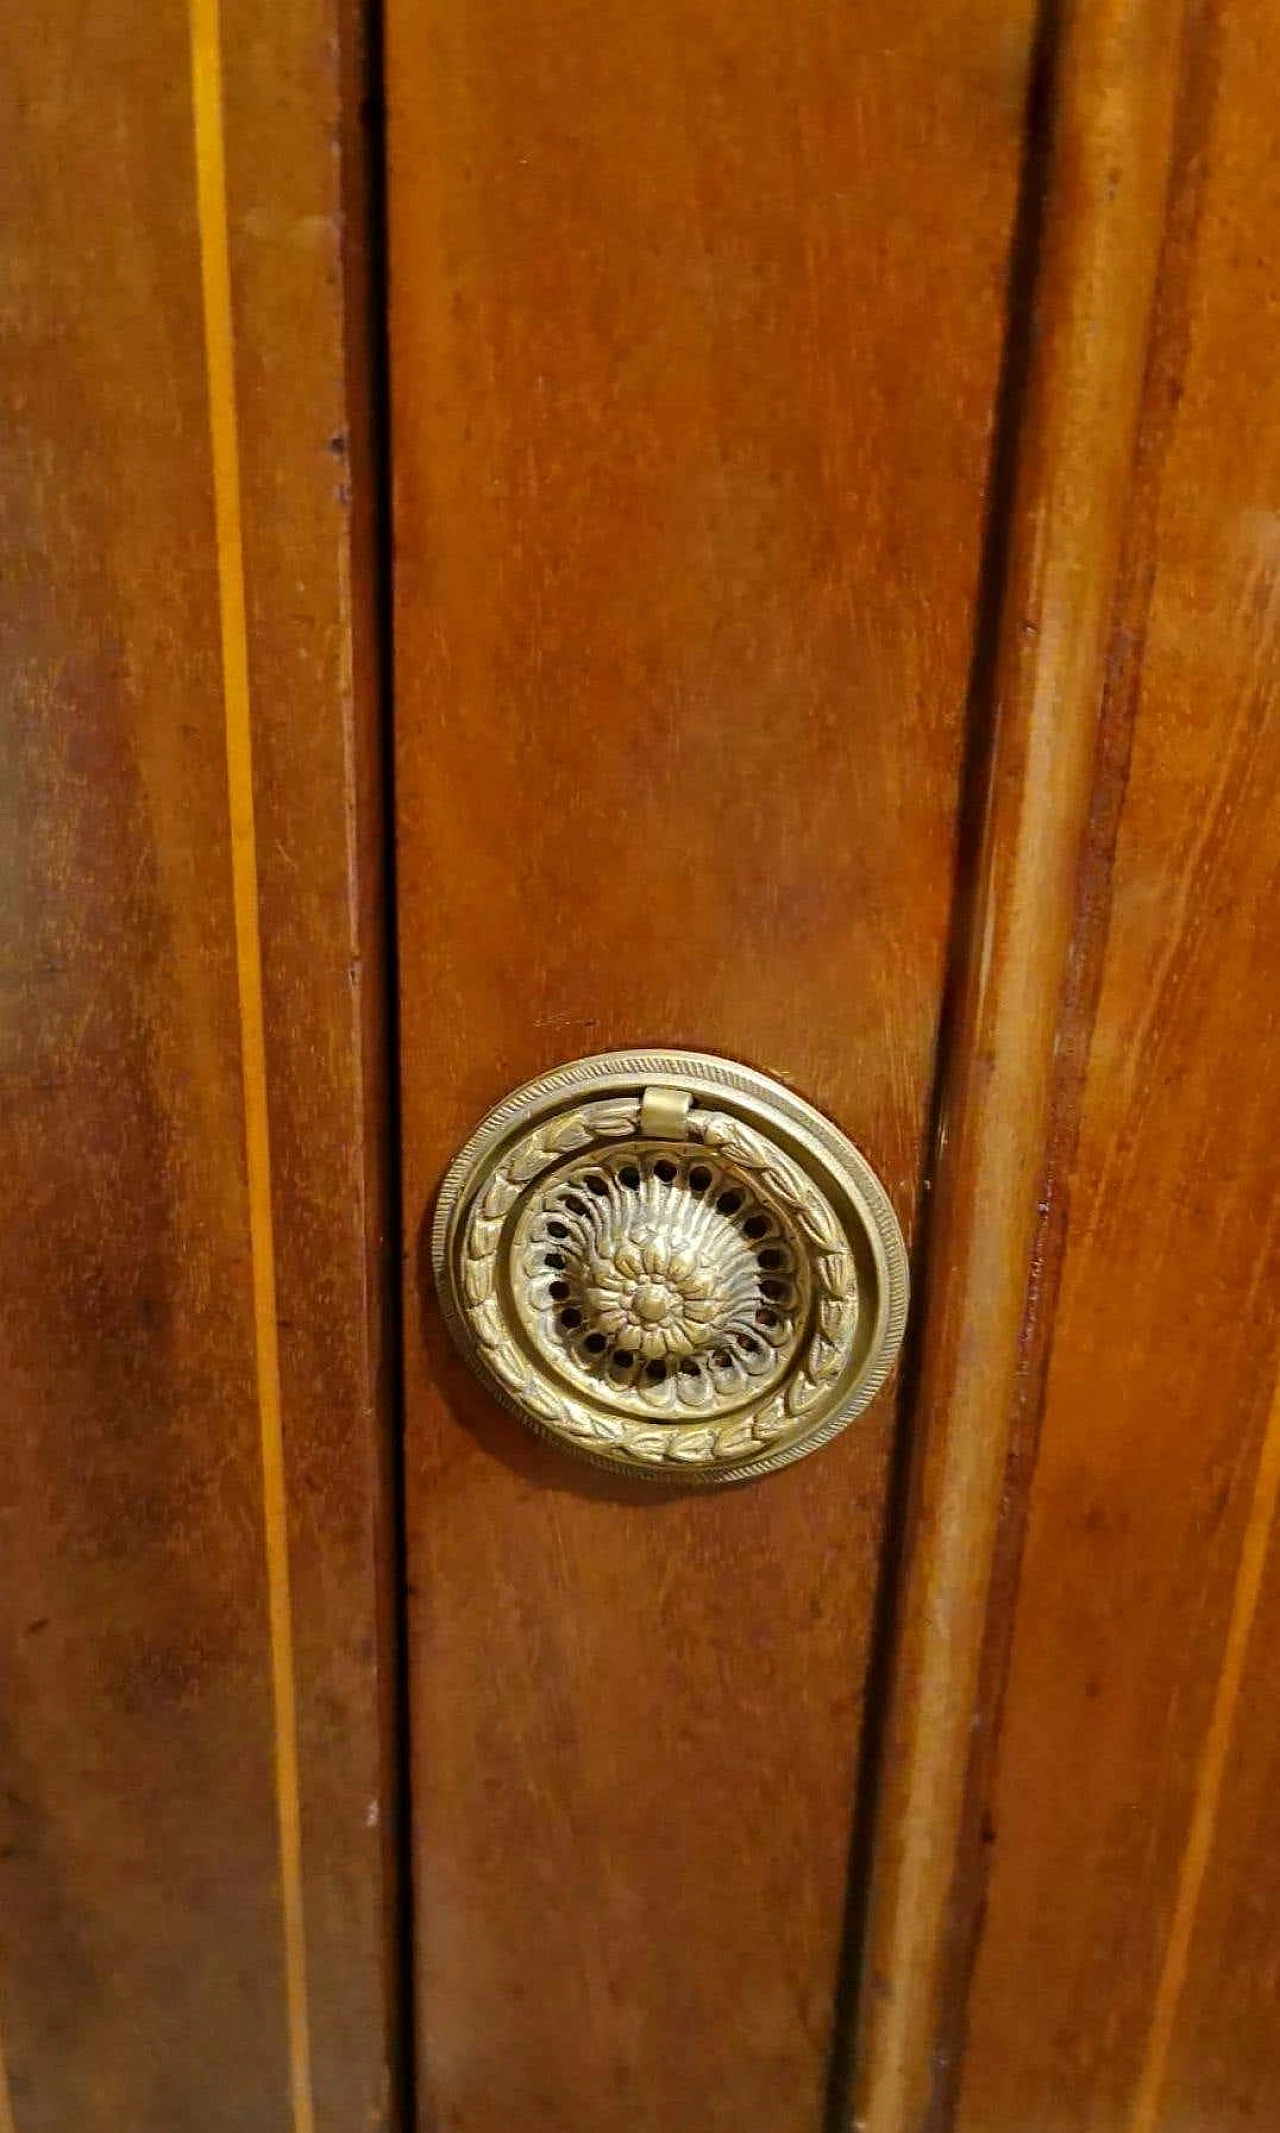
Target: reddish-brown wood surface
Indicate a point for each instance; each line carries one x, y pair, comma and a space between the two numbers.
1126, 1972
142, 1950
696, 330
1104, 168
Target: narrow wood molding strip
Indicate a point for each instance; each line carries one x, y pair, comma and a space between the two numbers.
1116, 81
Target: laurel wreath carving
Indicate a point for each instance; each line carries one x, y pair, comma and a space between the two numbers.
743, 1434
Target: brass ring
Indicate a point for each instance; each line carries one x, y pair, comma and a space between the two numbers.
670, 1264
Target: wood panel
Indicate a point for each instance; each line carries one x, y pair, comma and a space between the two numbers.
168, 1957
696, 331
1126, 1971
1098, 176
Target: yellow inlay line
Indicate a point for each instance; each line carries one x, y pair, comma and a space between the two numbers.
1209, 1776
211, 208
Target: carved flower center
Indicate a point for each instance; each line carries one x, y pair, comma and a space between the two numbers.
657, 1293
666, 1274
653, 1301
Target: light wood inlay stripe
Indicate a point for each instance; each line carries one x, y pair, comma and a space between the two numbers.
1209, 1776
210, 157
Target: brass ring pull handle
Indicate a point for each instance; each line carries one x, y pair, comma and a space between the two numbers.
669, 1263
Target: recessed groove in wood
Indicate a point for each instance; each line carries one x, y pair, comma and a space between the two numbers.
1116, 76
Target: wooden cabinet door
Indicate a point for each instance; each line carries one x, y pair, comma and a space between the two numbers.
822, 560
196, 1819
697, 321
834, 530
1127, 1961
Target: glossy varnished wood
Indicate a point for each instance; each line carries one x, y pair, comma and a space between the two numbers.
143, 1978
297, 83
688, 520
1114, 84
1126, 1971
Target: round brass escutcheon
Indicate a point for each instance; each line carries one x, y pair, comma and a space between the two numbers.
670, 1264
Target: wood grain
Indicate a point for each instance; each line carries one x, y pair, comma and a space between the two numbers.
688, 520
1112, 126
142, 1948
1126, 1969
